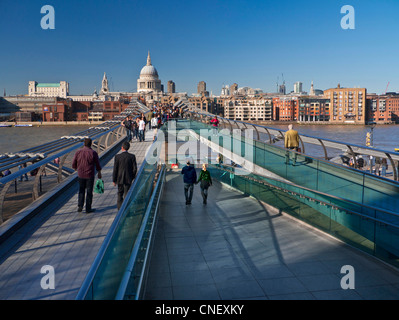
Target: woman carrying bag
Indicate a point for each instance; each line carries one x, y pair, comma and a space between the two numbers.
205, 181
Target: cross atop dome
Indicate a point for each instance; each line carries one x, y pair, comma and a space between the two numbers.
149, 59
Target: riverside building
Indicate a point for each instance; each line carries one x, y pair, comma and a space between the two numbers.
347, 105
248, 109
383, 108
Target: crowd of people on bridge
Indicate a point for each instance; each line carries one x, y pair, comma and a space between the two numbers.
158, 115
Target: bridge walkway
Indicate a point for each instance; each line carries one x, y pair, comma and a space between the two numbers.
62, 238
236, 247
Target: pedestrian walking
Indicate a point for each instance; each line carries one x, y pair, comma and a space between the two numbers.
215, 125
127, 123
377, 166
86, 162
384, 167
125, 170
291, 142
141, 129
25, 174
189, 178
205, 181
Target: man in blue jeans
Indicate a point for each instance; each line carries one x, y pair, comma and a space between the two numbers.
189, 178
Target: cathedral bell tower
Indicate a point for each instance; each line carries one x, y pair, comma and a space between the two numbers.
104, 86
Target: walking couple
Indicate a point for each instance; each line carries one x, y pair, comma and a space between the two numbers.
86, 162
190, 178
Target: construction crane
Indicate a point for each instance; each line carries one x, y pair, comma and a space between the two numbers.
277, 83
386, 90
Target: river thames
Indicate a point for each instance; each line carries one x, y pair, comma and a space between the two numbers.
14, 139
386, 137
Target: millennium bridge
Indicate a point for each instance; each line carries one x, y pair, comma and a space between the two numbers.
316, 229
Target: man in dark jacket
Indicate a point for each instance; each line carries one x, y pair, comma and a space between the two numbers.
125, 170
189, 178
86, 162
127, 123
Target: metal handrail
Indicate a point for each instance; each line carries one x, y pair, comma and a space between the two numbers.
392, 213
303, 135
48, 159
387, 153
38, 164
321, 194
334, 164
370, 151
133, 257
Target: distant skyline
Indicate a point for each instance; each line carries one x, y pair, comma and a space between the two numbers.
251, 43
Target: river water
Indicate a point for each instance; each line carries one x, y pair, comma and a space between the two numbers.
386, 137
17, 139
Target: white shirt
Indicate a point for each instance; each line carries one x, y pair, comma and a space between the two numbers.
141, 125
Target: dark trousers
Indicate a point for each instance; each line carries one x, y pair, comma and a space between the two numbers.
85, 185
122, 191
128, 134
188, 192
204, 193
141, 135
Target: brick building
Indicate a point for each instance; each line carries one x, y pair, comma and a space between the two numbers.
347, 105
383, 108
60, 111
69, 110
285, 108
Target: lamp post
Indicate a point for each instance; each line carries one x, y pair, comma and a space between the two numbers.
372, 126
370, 140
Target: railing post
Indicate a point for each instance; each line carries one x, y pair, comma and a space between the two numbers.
324, 148
2, 198
106, 139
302, 144
257, 132
270, 136
61, 164
35, 193
394, 169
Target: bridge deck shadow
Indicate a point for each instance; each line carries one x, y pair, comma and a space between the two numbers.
236, 247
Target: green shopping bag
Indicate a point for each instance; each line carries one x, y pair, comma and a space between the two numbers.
99, 187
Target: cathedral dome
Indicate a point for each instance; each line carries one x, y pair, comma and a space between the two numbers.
149, 70
149, 81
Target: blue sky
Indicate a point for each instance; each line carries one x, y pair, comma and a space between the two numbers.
220, 42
